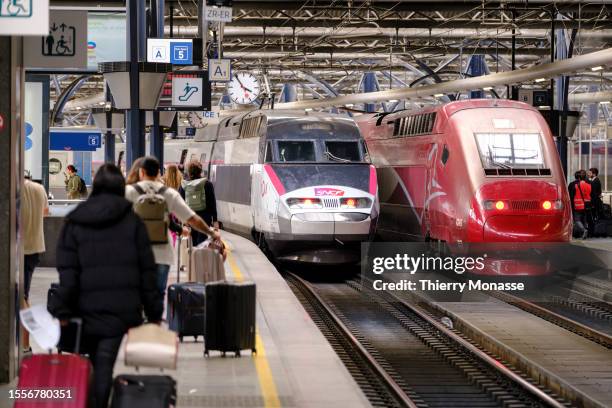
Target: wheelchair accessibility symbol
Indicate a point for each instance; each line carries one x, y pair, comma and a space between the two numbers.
15, 8
60, 42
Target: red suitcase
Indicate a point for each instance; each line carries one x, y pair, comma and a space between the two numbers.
53, 381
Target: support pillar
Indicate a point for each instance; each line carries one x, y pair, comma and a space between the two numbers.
477, 67
11, 179
289, 93
369, 84
157, 31
135, 119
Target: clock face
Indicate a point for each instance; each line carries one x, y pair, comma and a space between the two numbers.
244, 88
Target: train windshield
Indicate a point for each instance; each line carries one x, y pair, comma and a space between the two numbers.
510, 150
342, 151
296, 151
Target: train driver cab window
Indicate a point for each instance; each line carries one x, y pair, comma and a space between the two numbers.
269, 158
342, 151
296, 151
510, 150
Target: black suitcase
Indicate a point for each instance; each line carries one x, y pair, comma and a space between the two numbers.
603, 228
185, 310
144, 391
229, 317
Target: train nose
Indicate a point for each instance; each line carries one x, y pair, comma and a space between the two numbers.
523, 211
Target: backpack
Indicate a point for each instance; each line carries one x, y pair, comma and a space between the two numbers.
82, 187
151, 207
195, 194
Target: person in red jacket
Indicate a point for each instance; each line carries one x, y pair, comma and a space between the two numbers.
580, 195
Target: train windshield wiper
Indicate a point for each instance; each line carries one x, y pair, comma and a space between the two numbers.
335, 158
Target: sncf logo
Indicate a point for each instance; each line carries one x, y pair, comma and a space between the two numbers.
329, 192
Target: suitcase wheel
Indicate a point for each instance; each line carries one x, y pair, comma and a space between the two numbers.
205, 353
223, 354
253, 351
181, 339
237, 354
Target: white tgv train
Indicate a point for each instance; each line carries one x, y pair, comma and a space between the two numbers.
300, 184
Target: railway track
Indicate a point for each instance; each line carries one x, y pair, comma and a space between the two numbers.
423, 363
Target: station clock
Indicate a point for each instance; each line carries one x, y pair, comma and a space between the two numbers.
244, 88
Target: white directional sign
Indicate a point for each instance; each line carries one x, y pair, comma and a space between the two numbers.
223, 14
219, 70
187, 91
173, 51
24, 17
64, 44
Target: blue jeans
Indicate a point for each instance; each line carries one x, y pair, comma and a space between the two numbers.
162, 278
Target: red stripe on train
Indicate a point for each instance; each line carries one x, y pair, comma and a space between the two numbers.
373, 182
278, 186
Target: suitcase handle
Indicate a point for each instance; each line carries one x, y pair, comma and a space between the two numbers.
79, 329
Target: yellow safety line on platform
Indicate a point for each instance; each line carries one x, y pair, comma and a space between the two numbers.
264, 372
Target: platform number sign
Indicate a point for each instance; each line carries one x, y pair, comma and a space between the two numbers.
177, 52
181, 53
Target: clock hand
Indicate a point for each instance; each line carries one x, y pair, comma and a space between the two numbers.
240, 82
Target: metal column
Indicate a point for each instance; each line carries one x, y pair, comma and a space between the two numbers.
11, 178
136, 27
369, 84
477, 67
109, 137
289, 93
157, 31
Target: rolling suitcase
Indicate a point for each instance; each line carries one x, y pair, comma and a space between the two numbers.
186, 309
144, 391
206, 265
55, 380
229, 317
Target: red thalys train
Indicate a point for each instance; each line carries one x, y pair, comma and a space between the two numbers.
471, 171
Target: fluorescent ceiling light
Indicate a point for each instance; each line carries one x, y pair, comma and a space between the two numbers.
101, 103
597, 68
487, 88
393, 100
540, 80
349, 105
604, 102
438, 95
308, 109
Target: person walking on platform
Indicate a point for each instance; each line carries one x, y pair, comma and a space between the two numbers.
580, 197
34, 207
107, 275
173, 178
149, 189
75, 186
596, 191
199, 194
133, 175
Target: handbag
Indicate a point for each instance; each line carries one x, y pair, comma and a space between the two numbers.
151, 345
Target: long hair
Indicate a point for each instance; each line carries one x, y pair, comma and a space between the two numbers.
133, 176
108, 180
173, 177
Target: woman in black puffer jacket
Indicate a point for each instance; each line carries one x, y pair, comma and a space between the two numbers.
107, 274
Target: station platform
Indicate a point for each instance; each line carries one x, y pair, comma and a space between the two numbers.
294, 366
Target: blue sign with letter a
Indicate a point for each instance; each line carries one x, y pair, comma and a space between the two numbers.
181, 53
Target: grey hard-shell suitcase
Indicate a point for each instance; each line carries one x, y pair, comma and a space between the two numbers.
206, 265
229, 317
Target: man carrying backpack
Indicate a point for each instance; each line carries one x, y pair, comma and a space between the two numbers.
199, 194
153, 202
75, 185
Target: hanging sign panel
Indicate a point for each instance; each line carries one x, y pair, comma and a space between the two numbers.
169, 51
64, 45
78, 140
24, 17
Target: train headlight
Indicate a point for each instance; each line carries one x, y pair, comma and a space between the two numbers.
558, 205
304, 203
362, 202
494, 205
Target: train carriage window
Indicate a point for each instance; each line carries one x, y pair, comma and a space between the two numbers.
510, 150
296, 151
342, 151
183, 156
445, 155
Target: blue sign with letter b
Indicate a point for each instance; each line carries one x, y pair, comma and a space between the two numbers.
181, 53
